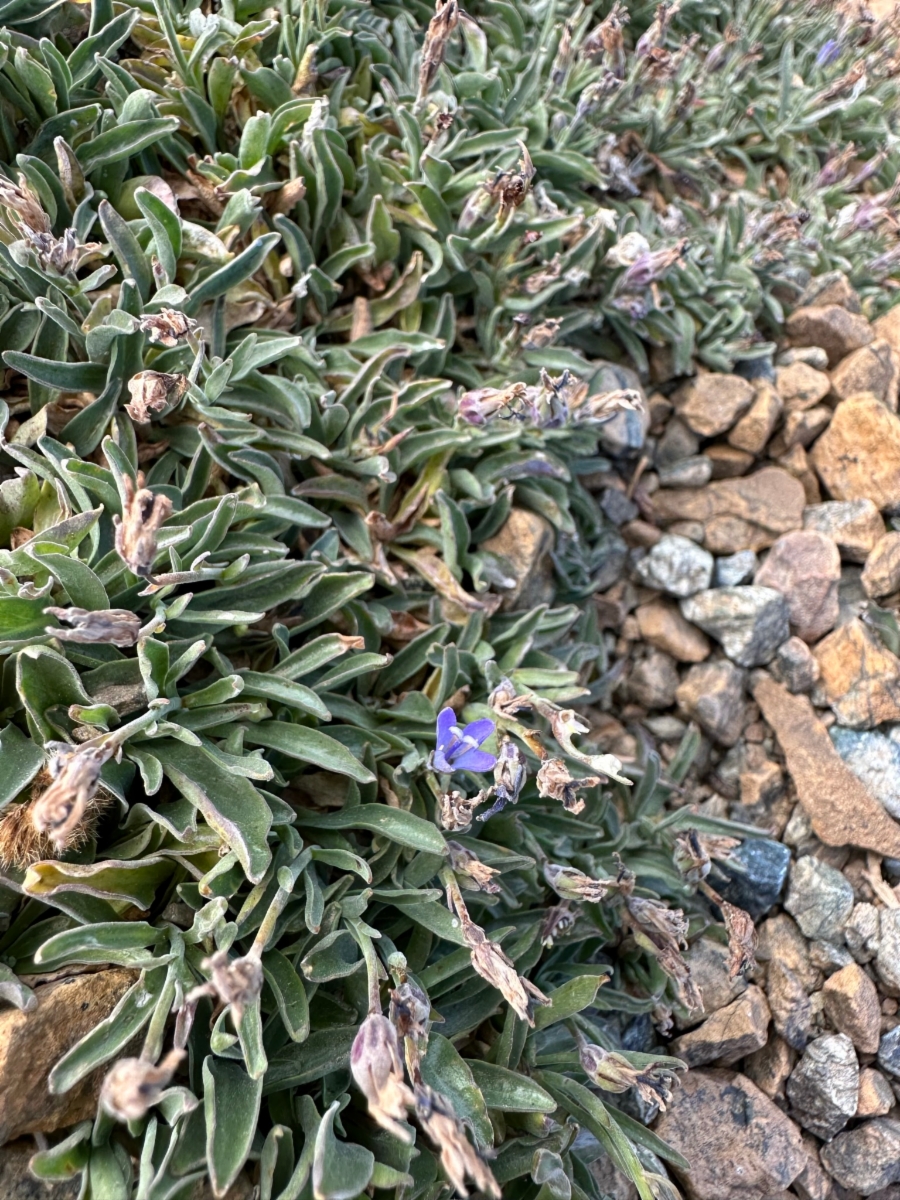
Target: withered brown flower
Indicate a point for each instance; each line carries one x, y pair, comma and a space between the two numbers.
110, 626
555, 782
153, 391
440, 27
742, 939
663, 932
614, 1073
471, 871
133, 1086
457, 811
459, 1158
410, 1011
235, 981
572, 884
492, 964
167, 327
75, 773
378, 1072
142, 515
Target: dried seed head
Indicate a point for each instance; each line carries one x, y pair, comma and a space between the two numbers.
23, 207
606, 43
237, 981
575, 885
492, 964
565, 723
605, 405
471, 871
134, 1086
458, 1157
21, 844
60, 811
378, 1073
458, 810
555, 782
663, 932
440, 27
410, 1011
557, 923
693, 852
742, 939
614, 1073
504, 699
167, 326
153, 391
142, 515
543, 334
110, 626
510, 188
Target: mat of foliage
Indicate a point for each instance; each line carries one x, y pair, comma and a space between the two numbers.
296, 304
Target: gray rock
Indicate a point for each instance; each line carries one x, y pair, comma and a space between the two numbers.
677, 443
712, 693
795, 666
867, 1158
819, 899
887, 961
754, 875
735, 569
653, 681
750, 622
687, 472
617, 507
813, 356
824, 1086
677, 566
862, 932
829, 956
874, 759
627, 430
889, 1052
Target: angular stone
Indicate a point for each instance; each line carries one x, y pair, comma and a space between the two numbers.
739, 1144
875, 369
801, 386
802, 428
769, 1067
840, 808
875, 760
795, 666
687, 473
862, 933
855, 526
831, 288
889, 1052
617, 506
852, 1006
824, 1086
887, 326
735, 569
867, 1158
711, 403
887, 960
790, 1005
727, 461
806, 568
876, 1098
757, 425
728, 1034
676, 565
677, 443
780, 941
524, 544
653, 681
796, 463
750, 622
819, 898
753, 877
708, 961
813, 356
713, 694
663, 626
748, 513
858, 455
32, 1043
881, 574
830, 326
859, 676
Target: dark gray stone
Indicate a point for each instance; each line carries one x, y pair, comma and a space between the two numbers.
754, 876
824, 1086
866, 1158
750, 622
617, 507
889, 1052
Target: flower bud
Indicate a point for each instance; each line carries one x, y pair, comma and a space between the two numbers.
471, 871
575, 885
133, 1086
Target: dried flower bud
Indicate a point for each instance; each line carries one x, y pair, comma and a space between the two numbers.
458, 810
378, 1073
142, 515
605, 405
543, 334
110, 626
663, 932
565, 724
153, 391
659, 27
614, 1073
693, 852
24, 206
236, 981
504, 699
555, 782
558, 921
606, 43
75, 771
492, 964
575, 885
458, 1157
167, 327
481, 405
133, 1086
511, 187
742, 939
652, 266
410, 1011
474, 874
440, 27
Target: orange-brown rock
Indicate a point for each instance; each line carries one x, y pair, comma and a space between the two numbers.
875, 368
840, 808
748, 513
663, 626
757, 425
830, 326
711, 403
858, 455
881, 574
860, 676
852, 1006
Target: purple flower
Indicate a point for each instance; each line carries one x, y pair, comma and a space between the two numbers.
828, 53
457, 749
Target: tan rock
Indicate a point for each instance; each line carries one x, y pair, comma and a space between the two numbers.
790, 1005
739, 514
781, 941
831, 288
860, 676
801, 386
653, 681
770, 1066
806, 568
662, 625
739, 1144
733, 1031
881, 574
852, 1006
727, 461
887, 326
32, 1043
757, 425
876, 1098
711, 403
875, 369
858, 455
524, 543
830, 326
855, 526
802, 428
840, 807
761, 784
796, 463
708, 961
713, 694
